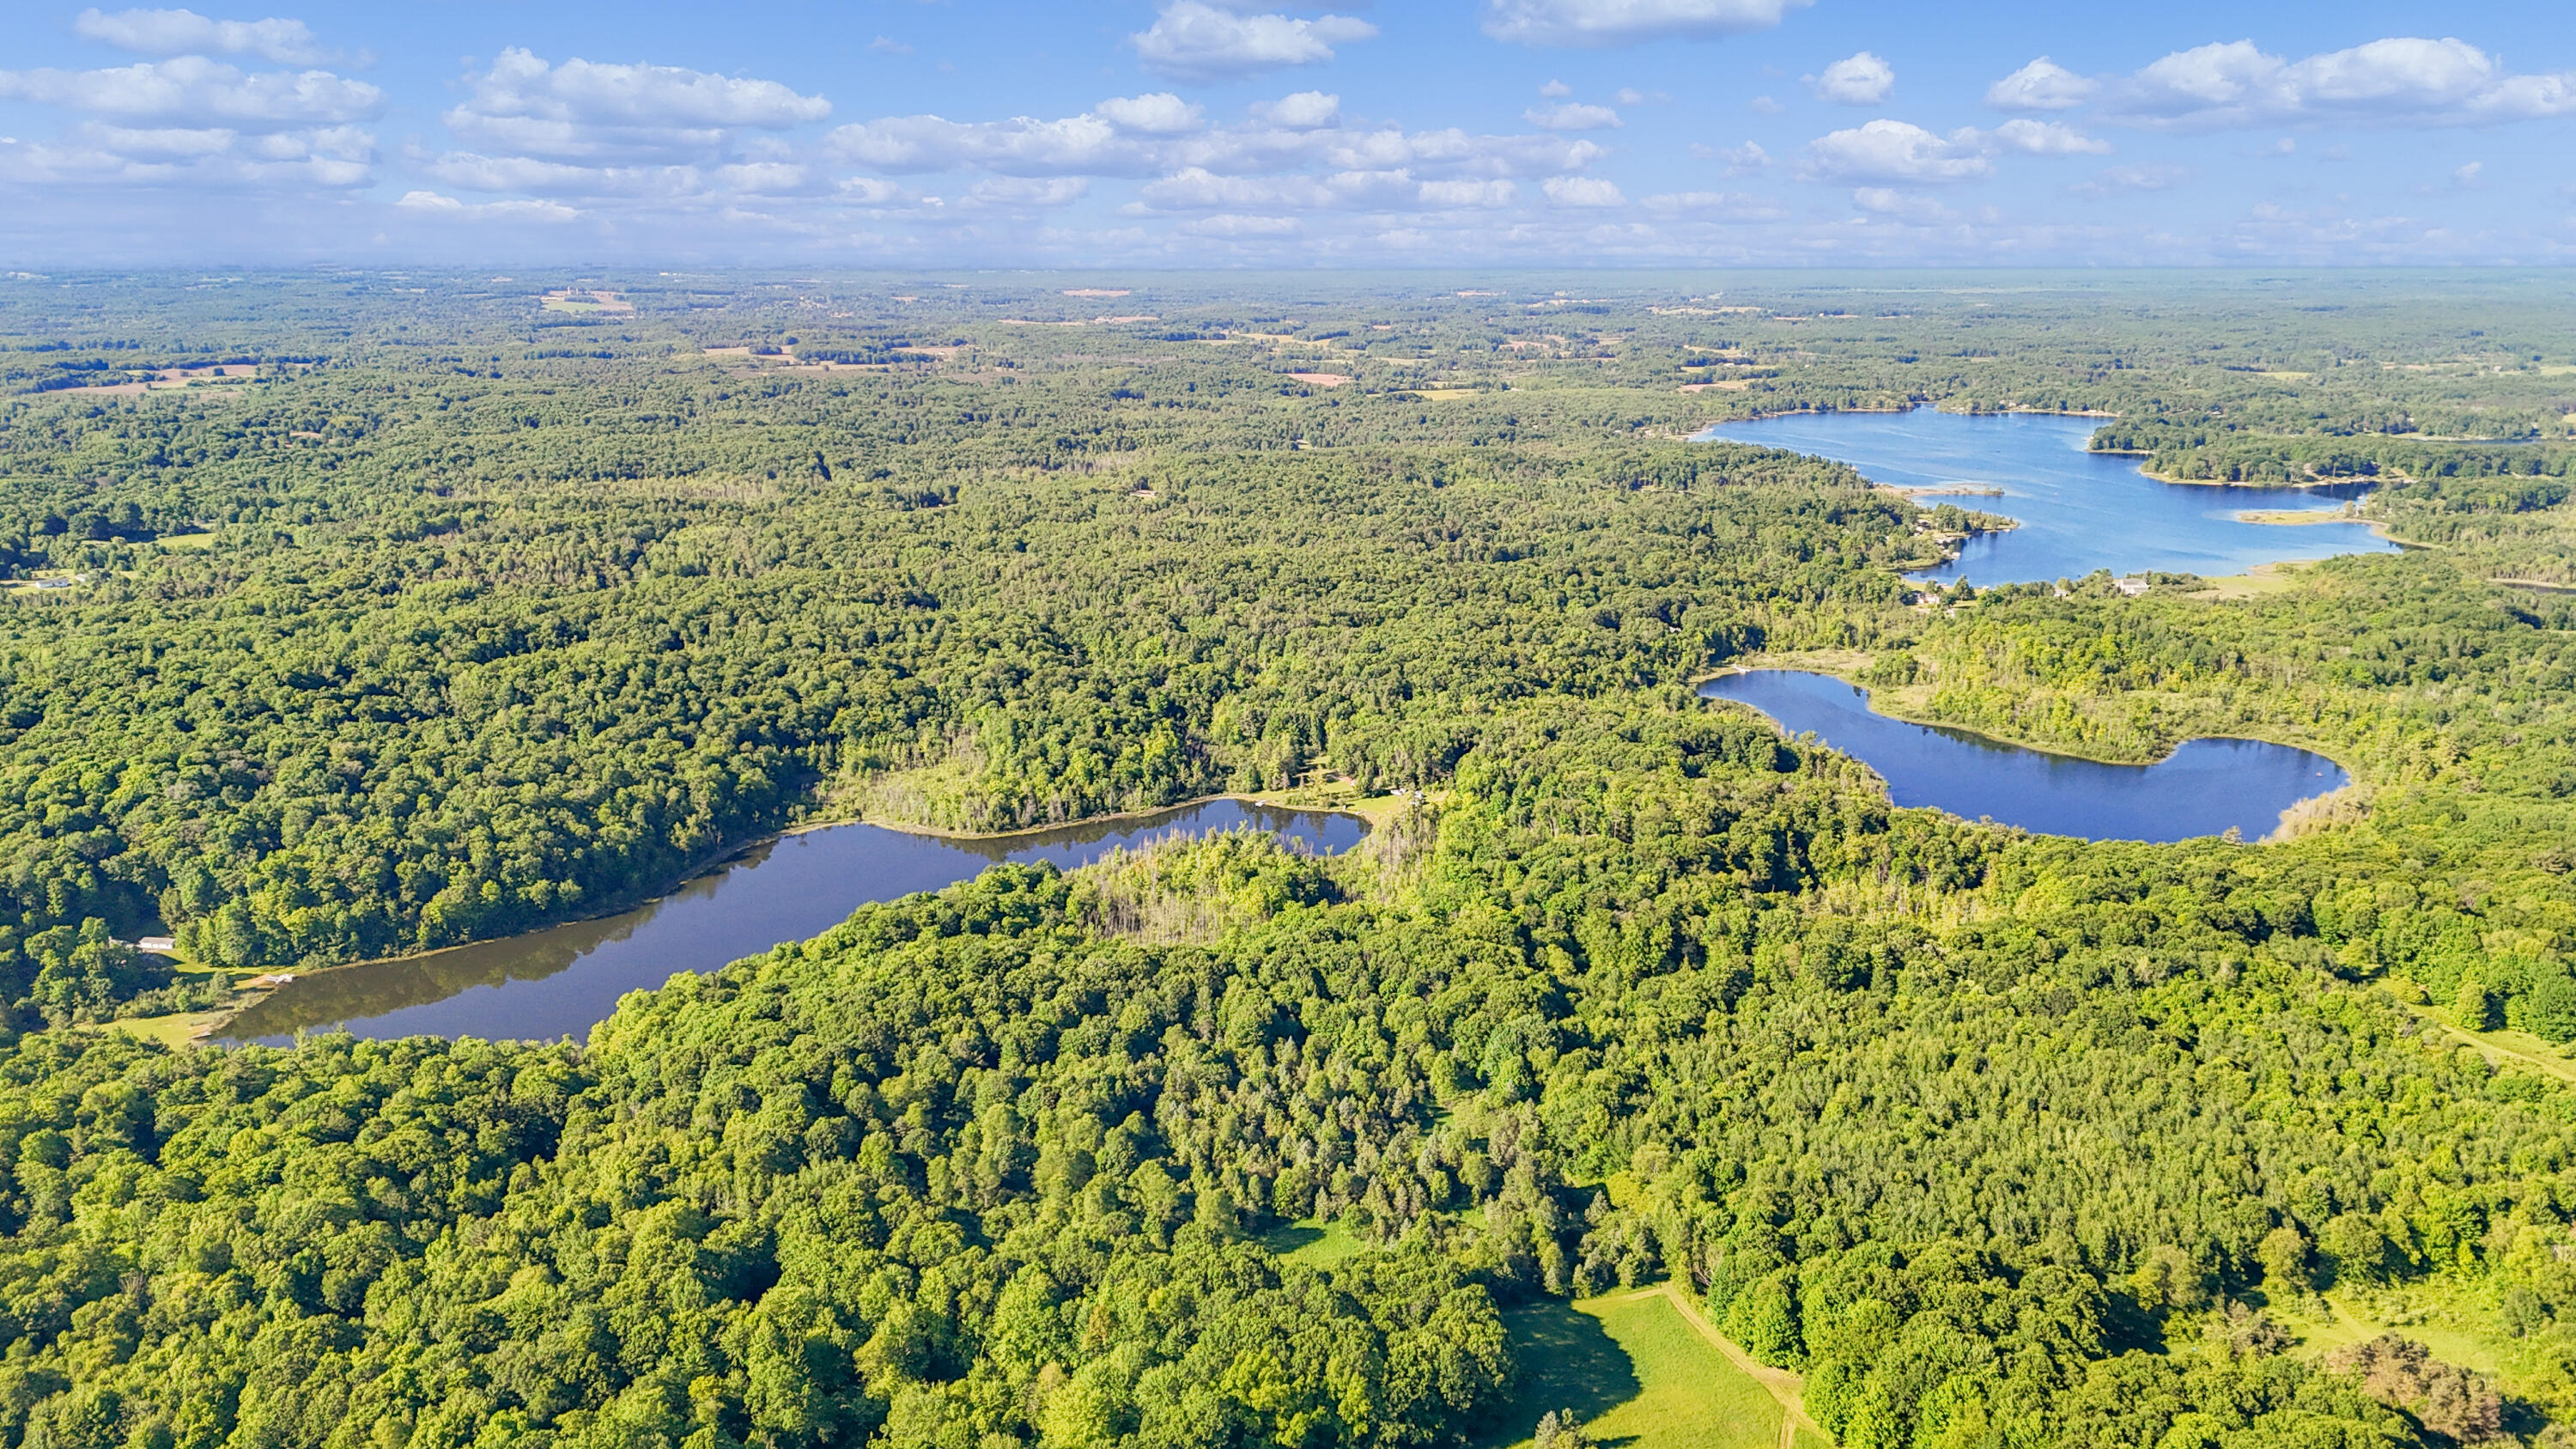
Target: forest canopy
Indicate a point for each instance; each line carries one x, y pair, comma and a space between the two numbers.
441, 616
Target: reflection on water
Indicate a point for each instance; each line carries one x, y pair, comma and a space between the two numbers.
563, 980
2202, 788
2079, 510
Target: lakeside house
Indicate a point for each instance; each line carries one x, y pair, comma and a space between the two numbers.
2130, 588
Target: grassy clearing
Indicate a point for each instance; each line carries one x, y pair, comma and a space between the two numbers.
2443, 1328
1638, 1375
2502, 1047
1313, 1242
2461, 1322
1336, 793
179, 1029
2260, 581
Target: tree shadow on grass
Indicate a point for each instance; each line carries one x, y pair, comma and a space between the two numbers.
1566, 1361
1288, 1238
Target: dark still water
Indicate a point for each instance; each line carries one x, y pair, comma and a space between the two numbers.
563, 980
2202, 788
2079, 510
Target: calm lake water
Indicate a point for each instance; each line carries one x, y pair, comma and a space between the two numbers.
2202, 788
563, 980
2079, 510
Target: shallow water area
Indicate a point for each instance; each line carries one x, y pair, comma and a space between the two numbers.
2204, 787
2079, 510
565, 979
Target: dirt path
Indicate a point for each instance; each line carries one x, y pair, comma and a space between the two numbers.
1781, 1384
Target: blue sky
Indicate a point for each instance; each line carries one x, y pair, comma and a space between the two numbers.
1250, 133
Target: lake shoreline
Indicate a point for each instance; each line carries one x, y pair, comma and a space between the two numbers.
1965, 490
1368, 808
2237, 787
2075, 508
2302, 517
1795, 664
1698, 435
2259, 486
1372, 812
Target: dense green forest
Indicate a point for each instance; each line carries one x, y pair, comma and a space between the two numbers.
457, 613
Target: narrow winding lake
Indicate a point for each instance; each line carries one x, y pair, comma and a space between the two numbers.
2079, 510
562, 981
2202, 788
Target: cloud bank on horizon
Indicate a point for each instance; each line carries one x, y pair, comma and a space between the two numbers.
1254, 132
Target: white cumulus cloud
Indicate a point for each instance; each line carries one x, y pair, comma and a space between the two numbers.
584, 110
1901, 206
1303, 111
1196, 188
1197, 41
1086, 144
1627, 22
1572, 116
2046, 138
431, 203
163, 143
1739, 159
470, 171
1900, 152
1226, 226
1468, 193
192, 89
1014, 191
1734, 204
765, 178
1582, 191
1457, 153
1159, 114
177, 32
2397, 81
2042, 85
1896, 151
1855, 80
206, 157
1090, 144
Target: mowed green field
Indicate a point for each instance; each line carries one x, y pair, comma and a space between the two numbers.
1637, 1374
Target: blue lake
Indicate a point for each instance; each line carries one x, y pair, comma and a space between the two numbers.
2202, 788
563, 980
2079, 510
